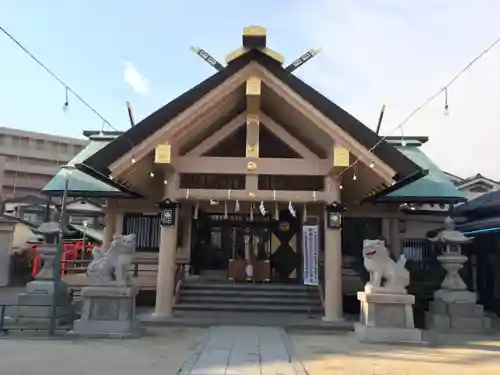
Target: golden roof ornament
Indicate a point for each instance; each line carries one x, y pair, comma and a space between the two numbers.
254, 37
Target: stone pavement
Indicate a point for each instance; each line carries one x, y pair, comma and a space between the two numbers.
247, 350
161, 352
244, 351
342, 354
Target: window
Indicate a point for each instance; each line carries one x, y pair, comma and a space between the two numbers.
32, 217
14, 141
54, 147
416, 249
39, 144
63, 147
78, 220
25, 142
479, 189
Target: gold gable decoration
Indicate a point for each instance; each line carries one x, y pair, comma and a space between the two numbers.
340, 157
255, 37
253, 86
252, 151
163, 154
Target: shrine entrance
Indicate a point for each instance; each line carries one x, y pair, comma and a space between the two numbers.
226, 245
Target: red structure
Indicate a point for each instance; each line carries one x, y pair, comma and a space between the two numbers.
75, 255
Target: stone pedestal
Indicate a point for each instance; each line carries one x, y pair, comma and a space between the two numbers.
387, 318
456, 310
108, 311
36, 303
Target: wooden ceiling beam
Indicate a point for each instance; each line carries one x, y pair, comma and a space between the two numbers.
286, 137
267, 166
220, 135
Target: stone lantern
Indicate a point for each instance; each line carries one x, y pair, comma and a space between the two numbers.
454, 307
453, 288
36, 302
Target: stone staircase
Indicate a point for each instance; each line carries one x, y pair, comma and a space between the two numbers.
223, 296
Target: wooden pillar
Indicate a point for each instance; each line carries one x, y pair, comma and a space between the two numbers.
333, 264
109, 227
253, 91
166, 266
119, 224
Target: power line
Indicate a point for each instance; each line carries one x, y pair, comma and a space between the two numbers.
53, 75
427, 101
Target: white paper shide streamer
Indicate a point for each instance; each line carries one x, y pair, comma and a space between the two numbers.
262, 209
291, 209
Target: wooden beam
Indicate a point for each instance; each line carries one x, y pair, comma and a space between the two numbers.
188, 116
286, 137
266, 166
216, 138
253, 92
252, 196
333, 130
208, 117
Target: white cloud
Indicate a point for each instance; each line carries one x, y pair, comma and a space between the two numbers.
399, 52
134, 79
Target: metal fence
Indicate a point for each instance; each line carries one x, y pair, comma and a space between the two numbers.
146, 229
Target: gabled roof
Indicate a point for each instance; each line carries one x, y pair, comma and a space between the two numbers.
489, 202
477, 179
99, 161
29, 199
456, 180
434, 187
81, 184
15, 219
85, 200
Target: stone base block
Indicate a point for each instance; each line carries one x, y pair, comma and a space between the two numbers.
455, 296
106, 329
459, 309
388, 334
46, 287
448, 323
438, 322
40, 305
456, 316
387, 318
386, 310
107, 311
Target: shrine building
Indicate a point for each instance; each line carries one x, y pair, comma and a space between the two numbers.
230, 172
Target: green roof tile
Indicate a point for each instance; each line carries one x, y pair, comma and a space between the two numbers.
434, 185
80, 183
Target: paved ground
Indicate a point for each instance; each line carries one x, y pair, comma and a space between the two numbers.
246, 350
341, 354
163, 352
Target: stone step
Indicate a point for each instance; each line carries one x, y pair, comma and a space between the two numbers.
185, 306
296, 321
249, 286
248, 293
245, 299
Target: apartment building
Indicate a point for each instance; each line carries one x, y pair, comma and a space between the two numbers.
29, 160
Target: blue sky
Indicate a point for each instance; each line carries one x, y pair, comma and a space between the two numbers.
87, 43
397, 52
